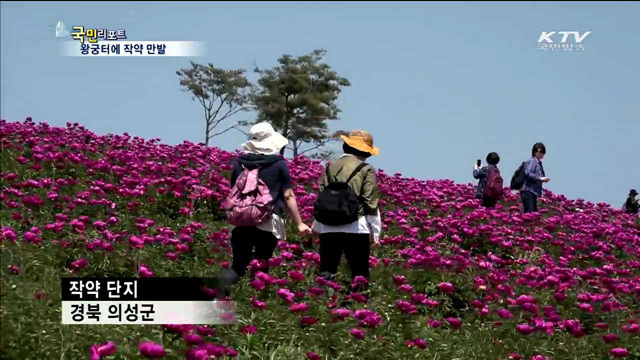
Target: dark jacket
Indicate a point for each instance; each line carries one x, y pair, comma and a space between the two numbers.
482, 174
273, 171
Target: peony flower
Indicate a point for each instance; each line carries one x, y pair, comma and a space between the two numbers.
98, 351
619, 352
609, 338
79, 264
455, 323
249, 329
151, 350
144, 271
357, 333
14, 270
308, 320
313, 356
446, 288
299, 308
193, 339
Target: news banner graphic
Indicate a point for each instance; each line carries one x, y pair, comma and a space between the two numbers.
105, 42
137, 301
548, 41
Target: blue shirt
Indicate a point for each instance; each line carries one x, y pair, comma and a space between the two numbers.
533, 171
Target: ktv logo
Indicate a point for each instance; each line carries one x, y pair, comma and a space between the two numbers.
546, 40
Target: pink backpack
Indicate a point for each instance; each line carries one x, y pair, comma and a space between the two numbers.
250, 202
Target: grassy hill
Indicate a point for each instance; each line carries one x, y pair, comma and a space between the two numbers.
450, 280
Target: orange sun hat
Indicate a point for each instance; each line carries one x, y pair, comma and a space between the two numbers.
361, 140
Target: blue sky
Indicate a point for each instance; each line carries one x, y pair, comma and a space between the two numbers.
439, 85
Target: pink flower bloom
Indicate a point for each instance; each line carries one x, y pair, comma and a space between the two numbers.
313, 356
406, 307
455, 323
525, 329
205, 331
145, 272
316, 291
259, 304
14, 270
504, 313
633, 329
446, 288
257, 284
619, 352
152, 350
515, 356
79, 264
359, 297
405, 288
296, 275
341, 313
299, 308
193, 339
435, 323
98, 351
308, 320
422, 344
359, 281
357, 333
609, 338
249, 329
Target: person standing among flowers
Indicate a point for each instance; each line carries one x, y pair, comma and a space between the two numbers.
262, 152
347, 215
534, 176
632, 204
483, 174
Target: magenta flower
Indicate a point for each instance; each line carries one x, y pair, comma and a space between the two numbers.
98, 351
446, 288
422, 344
14, 270
145, 272
259, 304
504, 313
296, 275
359, 297
205, 331
406, 307
357, 333
79, 264
435, 323
341, 313
193, 339
299, 308
152, 350
525, 329
455, 323
313, 356
308, 320
316, 291
249, 329
619, 352
257, 284
609, 338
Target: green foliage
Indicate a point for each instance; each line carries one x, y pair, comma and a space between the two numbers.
222, 94
298, 96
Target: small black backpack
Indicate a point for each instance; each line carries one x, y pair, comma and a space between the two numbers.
337, 203
517, 180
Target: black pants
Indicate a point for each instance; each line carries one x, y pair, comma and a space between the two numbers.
243, 242
489, 202
356, 249
529, 202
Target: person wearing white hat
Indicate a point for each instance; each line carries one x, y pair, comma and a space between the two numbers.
262, 150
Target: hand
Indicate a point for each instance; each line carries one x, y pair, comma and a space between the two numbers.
303, 229
475, 166
375, 239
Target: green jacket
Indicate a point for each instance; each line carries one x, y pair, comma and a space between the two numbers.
364, 184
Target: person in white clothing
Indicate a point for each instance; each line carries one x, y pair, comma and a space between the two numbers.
354, 239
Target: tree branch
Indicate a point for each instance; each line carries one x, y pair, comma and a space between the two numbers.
237, 127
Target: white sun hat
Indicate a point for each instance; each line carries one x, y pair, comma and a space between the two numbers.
263, 139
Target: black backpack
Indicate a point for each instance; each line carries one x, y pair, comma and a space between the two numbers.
337, 203
517, 180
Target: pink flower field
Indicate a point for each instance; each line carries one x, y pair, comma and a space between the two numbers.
449, 280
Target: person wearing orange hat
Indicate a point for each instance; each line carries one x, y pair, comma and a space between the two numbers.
354, 232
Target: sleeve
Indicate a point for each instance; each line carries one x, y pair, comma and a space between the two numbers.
480, 173
375, 223
235, 172
531, 171
285, 176
322, 183
370, 192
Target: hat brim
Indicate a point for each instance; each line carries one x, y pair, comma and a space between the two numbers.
269, 146
359, 145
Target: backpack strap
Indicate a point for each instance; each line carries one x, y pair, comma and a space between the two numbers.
356, 171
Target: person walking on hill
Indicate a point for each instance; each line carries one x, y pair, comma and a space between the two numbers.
347, 216
490, 187
534, 177
260, 191
632, 205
